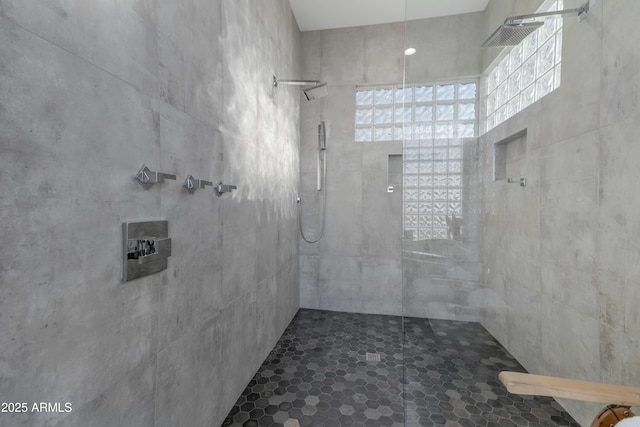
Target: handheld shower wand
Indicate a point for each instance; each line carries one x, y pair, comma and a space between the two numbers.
321, 184
321, 155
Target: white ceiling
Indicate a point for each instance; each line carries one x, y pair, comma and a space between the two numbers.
327, 14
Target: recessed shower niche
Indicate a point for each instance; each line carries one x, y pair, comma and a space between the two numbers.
508, 156
394, 172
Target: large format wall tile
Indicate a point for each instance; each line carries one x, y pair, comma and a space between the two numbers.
570, 303
363, 220
88, 93
118, 37
129, 401
61, 262
620, 95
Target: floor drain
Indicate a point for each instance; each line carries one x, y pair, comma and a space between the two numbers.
291, 422
373, 357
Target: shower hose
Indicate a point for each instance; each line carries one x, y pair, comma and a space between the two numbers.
323, 214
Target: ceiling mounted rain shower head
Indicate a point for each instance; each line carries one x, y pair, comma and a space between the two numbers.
514, 29
318, 90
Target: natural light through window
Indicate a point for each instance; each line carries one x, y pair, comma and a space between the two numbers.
418, 111
432, 119
525, 73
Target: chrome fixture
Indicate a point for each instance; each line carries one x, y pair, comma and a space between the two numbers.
511, 34
146, 248
322, 136
192, 184
522, 181
322, 155
321, 185
514, 29
147, 177
317, 90
221, 188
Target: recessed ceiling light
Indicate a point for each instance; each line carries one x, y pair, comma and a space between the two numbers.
409, 51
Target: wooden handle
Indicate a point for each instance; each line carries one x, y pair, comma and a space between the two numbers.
540, 385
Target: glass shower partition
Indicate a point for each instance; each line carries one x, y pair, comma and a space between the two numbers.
440, 256
441, 206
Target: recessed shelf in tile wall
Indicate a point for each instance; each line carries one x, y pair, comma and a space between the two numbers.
509, 149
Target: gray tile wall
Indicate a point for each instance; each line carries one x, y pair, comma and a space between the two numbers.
559, 256
356, 266
88, 92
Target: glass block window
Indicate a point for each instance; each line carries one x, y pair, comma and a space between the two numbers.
415, 112
525, 73
432, 119
443, 115
432, 188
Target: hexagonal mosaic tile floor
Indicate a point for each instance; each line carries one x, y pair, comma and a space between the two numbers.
334, 369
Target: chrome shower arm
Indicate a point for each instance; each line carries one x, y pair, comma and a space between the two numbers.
276, 81
298, 82
516, 28
581, 12
317, 90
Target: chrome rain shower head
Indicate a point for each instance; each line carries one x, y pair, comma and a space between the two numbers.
514, 29
318, 90
511, 34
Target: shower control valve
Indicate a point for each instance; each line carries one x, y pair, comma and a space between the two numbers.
221, 188
147, 247
192, 184
147, 177
522, 181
